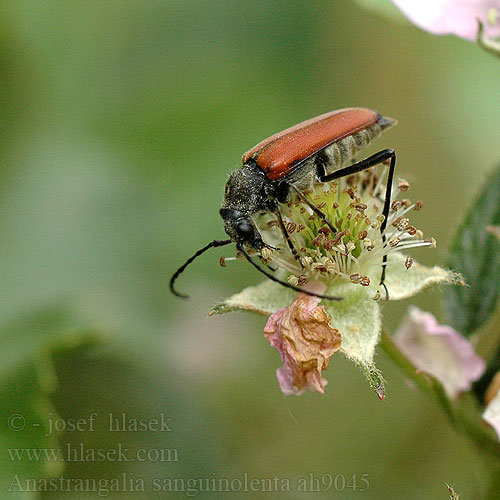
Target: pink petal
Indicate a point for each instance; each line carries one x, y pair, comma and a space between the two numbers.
457, 17
305, 340
440, 351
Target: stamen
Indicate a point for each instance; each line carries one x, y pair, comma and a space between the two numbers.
353, 207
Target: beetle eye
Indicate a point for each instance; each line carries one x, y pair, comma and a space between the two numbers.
244, 228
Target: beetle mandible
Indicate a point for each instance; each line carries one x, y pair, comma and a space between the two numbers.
283, 166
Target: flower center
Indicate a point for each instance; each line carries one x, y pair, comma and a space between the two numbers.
353, 207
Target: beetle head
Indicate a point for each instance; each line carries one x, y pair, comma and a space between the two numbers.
240, 227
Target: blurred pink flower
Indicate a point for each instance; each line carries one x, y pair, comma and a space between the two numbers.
440, 351
457, 17
305, 340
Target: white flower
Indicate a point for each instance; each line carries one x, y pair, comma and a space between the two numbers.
492, 399
348, 264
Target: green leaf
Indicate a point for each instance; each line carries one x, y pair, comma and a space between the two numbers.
21, 340
24, 413
475, 254
27, 380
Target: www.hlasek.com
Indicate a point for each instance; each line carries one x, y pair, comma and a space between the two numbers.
80, 453
192, 487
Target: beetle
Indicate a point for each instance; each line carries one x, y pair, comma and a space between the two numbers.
282, 167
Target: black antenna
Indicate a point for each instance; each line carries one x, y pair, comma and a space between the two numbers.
239, 246
213, 244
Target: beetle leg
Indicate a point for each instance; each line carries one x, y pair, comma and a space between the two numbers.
319, 213
386, 156
314, 208
288, 240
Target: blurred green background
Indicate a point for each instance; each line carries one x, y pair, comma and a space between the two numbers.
121, 121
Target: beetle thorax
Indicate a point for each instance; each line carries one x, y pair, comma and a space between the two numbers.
244, 196
245, 191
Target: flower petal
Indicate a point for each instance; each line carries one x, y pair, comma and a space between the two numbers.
492, 414
305, 340
494, 230
457, 17
265, 298
440, 351
403, 283
357, 318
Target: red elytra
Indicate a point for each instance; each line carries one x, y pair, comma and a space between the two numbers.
277, 155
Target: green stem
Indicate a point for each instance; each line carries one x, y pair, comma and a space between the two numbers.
465, 417
490, 46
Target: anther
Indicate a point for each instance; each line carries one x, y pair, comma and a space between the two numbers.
327, 244
432, 242
368, 244
365, 281
317, 241
395, 205
320, 267
402, 223
396, 221
222, 261
418, 205
408, 262
331, 266
302, 280
350, 246
266, 253
403, 185
340, 235
307, 260
356, 278
350, 192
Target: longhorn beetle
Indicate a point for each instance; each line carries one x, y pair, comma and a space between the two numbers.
290, 162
